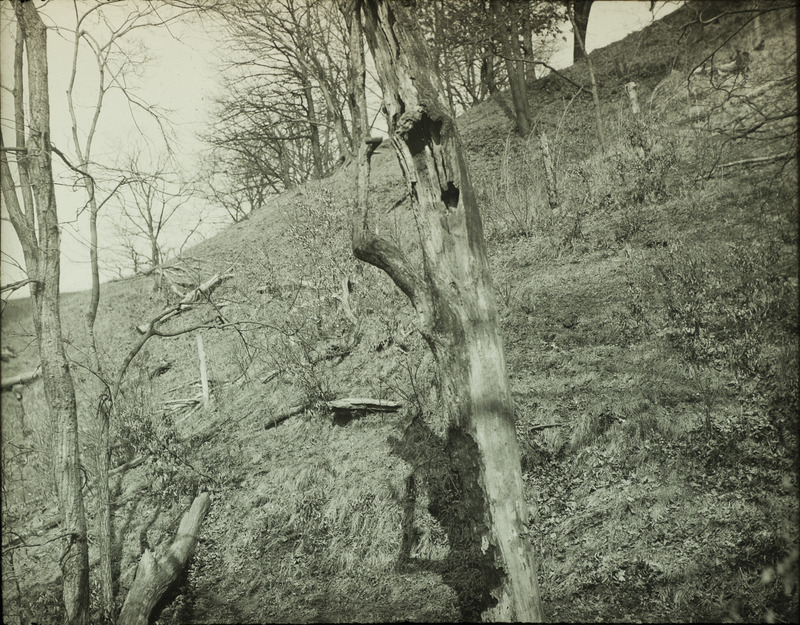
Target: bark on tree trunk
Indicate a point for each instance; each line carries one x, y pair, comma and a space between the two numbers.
311, 110
39, 234
155, 576
581, 9
527, 48
104, 520
454, 299
285, 169
355, 45
515, 68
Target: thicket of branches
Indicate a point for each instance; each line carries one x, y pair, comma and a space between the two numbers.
288, 113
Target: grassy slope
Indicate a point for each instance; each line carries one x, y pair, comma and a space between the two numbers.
664, 494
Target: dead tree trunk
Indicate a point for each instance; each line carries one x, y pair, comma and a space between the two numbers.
155, 576
452, 294
549, 173
201, 354
633, 98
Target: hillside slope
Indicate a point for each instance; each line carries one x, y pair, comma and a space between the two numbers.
651, 326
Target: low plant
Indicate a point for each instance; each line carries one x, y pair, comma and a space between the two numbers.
143, 430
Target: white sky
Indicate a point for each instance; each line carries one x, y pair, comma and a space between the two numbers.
180, 77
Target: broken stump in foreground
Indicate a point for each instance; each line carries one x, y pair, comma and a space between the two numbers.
154, 575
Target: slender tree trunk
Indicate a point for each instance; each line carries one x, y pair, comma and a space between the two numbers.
43, 243
337, 121
581, 10
104, 519
453, 297
758, 34
311, 110
285, 169
356, 101
488, 83
102, 455
598, 113
527, 47
515, 68
633, 99
103, 451
12, 597
155, 250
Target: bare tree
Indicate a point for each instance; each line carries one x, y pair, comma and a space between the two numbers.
154, 196
235, 186
452, 295
35, 221
295, 51
102, 43
743, 91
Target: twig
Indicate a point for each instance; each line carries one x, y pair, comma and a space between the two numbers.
291, 412
544, 426
760, 160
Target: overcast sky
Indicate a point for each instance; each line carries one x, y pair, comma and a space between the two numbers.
180, 77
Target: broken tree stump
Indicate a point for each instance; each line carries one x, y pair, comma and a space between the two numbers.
633, 98
201, 352
155, 576
550, 173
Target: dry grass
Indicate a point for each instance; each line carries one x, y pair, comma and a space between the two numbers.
666, 493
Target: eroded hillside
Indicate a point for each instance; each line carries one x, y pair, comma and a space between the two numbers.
650, 323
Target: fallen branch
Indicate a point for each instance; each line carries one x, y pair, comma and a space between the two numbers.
544, 426
190, 298
760, 159
180, 386
270, 376
748, 161
182, 404
46, 525
155, 576
22, 378
291, 412
350, 405
127, 466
